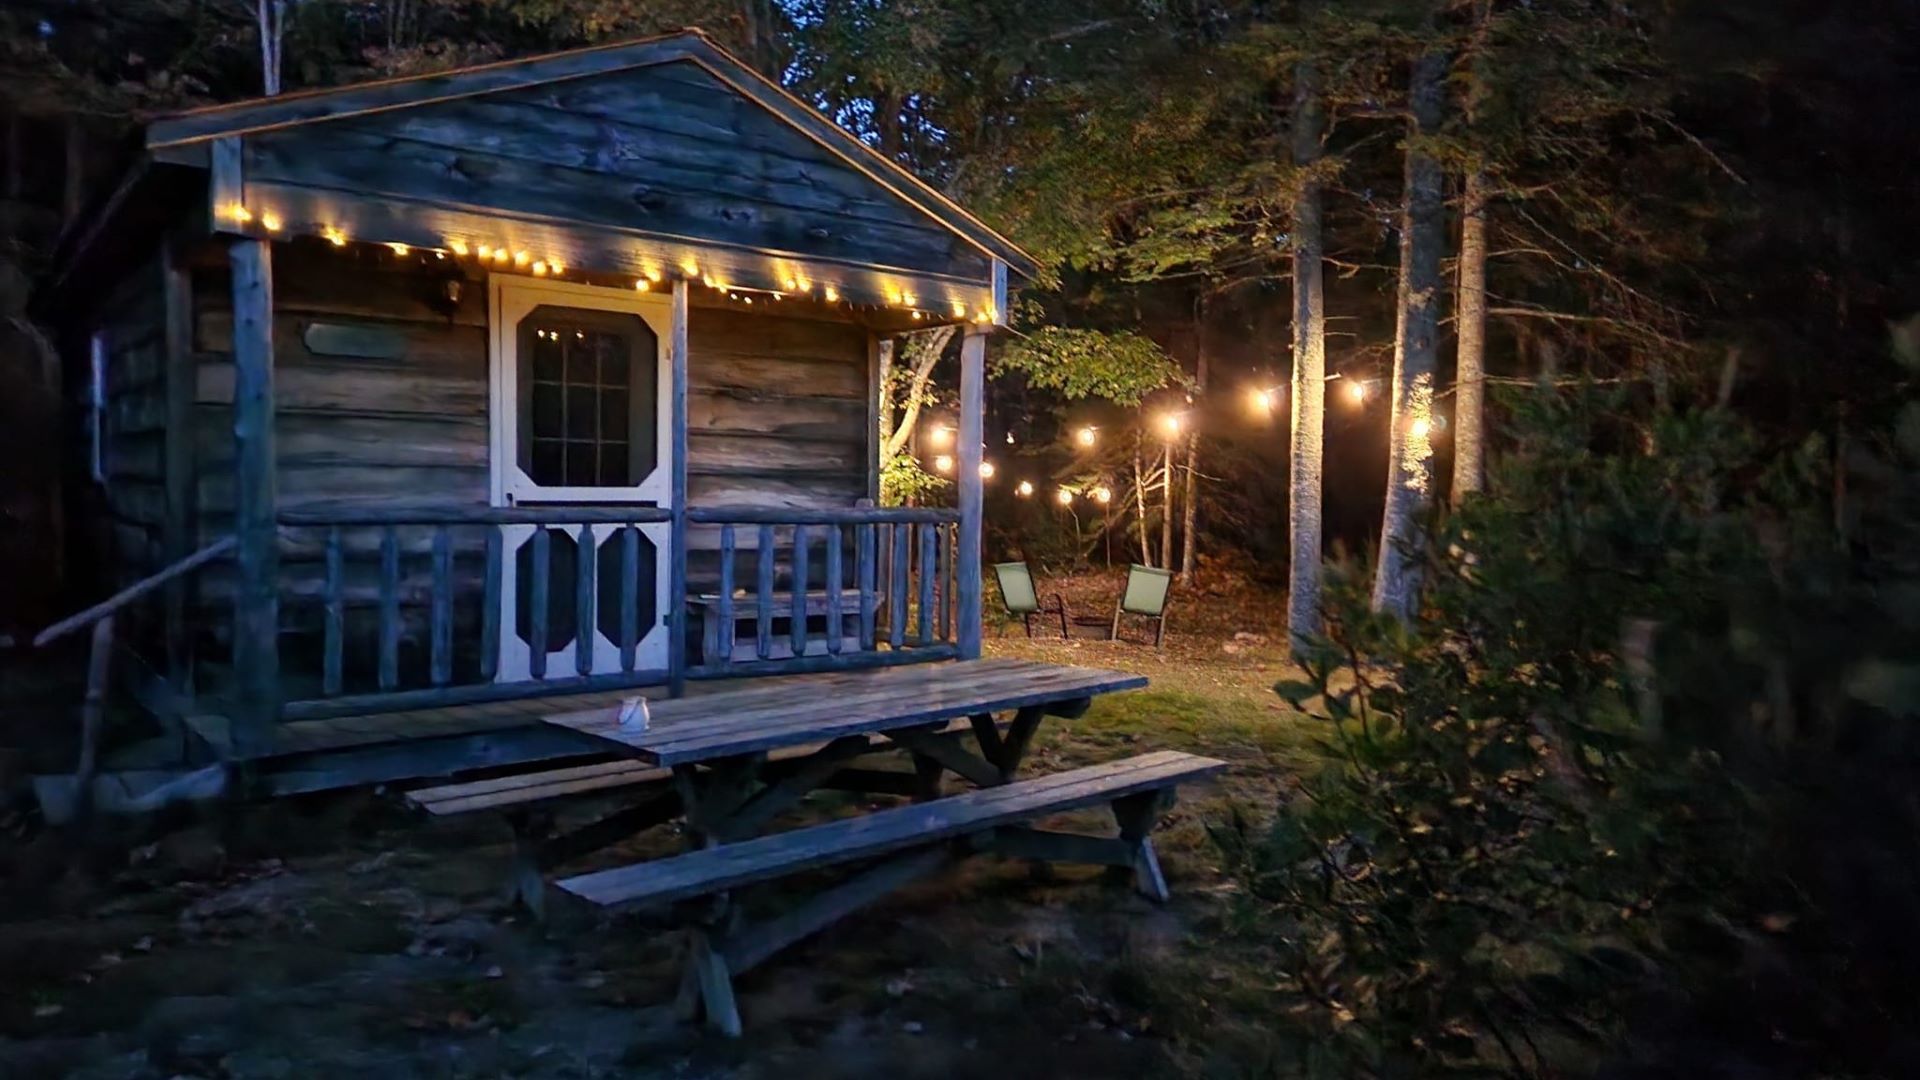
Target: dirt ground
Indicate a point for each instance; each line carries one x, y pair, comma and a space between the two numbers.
340, 935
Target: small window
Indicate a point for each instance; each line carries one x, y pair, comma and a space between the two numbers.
97, 406
588, 388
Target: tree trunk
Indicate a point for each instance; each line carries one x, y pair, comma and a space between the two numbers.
1396, 582
1308, 440
1140, 500
1191, 495
1166, 507
922, 350
270, 17
1470, 380
1470, 305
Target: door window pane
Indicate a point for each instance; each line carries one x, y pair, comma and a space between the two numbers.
588, 398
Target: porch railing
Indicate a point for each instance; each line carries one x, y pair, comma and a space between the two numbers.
456, 605
389, 609
856, 587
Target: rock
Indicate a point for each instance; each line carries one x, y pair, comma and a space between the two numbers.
913, 1027
1231, 648
899, 987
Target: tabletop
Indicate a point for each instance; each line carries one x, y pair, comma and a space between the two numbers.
797, 710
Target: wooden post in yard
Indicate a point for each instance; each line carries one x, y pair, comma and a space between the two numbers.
256, 598
677, 529
973, 378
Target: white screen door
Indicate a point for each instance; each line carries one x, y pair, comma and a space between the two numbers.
579, 391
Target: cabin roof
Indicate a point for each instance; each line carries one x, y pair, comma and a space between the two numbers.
316, 106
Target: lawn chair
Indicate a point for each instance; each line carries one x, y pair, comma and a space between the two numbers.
1021, 599
1146, 596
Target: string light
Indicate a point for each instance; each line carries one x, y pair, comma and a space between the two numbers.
642, 284
521, 258
501, 255
941, 436
1064, 497
239, 213
334, 236
540, 269
1264, 400
652, 273
458, 247
1420, 428
270, 221
1103, 494
1170, 425
556, 265
485, 251
1357, 392
832, 294
986, 470
1086, 436
689, 267
943, 463
1025, 489
399, 249
959, 309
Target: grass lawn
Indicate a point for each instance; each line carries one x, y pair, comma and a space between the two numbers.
338, 934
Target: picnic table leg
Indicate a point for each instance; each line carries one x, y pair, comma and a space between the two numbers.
1137, 815
706, 985
526, 885
926, 778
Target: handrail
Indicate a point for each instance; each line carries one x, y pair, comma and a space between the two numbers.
477, 515
134, 592
847, 515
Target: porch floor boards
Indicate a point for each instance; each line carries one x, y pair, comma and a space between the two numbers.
346, 732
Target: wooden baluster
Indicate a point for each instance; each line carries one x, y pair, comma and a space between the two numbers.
834, 616
336, 616
952, 604
797, 607
537, 636
944, 564
389, 608
722, 636
897, 603
864, 573
929, 573
586, 627
629, 595
490, 609
442, 626
763, 599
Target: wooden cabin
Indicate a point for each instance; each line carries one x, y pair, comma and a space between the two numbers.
411, 400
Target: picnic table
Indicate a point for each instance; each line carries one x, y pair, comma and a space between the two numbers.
738, 758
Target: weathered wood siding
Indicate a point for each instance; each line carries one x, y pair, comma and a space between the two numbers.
777, 417
133, 318
667, 149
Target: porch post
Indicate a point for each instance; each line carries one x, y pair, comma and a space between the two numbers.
256, 598
973, 378
677, 544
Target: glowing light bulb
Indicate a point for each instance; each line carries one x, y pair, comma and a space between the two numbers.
652, 273
1103, 494
959, 310
1264, 401
832, 294
540, 269
270, 221
943, 463
1064, 497
1170, 425
642, 284
501, 255
556, 265
334, 236
400, 249
986, 470
239, 213
1086, 436
458, 247
521, 258
1357, 392
1420, 428
941, 435
1025, 489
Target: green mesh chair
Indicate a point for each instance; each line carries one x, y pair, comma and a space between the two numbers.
1145, 596
1022, 600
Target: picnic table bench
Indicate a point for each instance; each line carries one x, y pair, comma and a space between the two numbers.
730, 762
